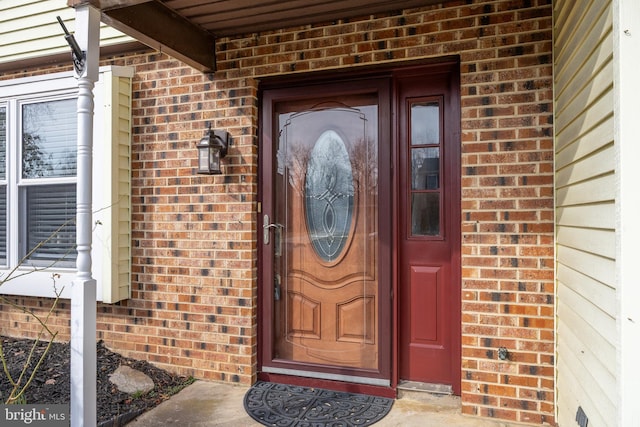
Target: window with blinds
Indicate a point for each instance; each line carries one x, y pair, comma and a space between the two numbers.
48, 185
50, 224
3, 186
38, 184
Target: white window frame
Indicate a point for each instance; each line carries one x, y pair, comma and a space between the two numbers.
17, 188
26, 281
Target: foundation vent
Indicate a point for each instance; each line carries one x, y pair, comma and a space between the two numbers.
581, 417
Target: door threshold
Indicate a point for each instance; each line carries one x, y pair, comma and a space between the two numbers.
327, 376
419, 387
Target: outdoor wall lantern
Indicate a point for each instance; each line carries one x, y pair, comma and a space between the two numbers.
211, 148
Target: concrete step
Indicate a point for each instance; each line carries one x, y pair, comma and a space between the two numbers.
433, 397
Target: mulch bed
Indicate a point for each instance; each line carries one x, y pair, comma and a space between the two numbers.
51, 384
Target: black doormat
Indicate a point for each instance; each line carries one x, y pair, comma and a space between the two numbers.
273, 404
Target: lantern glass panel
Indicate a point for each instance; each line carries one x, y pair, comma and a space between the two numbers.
203, 159
214, 160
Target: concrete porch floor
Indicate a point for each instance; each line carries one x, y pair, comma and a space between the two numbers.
206, 403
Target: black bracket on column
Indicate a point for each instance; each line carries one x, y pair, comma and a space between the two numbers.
78, 55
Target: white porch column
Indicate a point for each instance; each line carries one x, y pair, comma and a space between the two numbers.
83, 288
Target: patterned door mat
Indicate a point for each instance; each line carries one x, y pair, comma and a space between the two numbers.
274, 404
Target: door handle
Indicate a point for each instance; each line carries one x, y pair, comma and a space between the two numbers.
266, 235
265, 229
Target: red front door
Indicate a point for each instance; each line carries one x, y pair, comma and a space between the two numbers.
358, 178
429, 226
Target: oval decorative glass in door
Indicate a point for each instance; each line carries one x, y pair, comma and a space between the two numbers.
329, 195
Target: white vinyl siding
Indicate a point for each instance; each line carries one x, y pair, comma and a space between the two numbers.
111, 246
29, 29
585, 211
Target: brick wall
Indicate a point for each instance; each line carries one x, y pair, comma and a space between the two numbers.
194, 307
194, 300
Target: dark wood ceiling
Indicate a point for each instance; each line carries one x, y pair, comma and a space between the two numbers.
187, 29
232, 17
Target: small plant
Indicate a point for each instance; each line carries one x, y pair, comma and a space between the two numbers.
23, 380
137, 395
179, 388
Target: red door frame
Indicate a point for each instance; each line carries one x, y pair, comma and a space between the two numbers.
450, 68
266, 161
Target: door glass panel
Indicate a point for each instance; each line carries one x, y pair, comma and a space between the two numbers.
326, 202
425, 172
329, 195
425, 214
425, 123
425, 168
